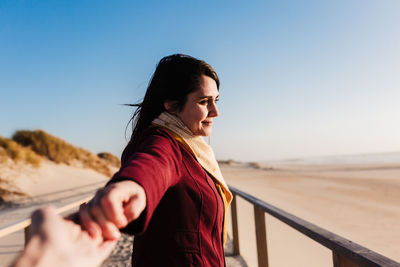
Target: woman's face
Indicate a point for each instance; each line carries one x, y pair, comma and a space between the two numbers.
200, 108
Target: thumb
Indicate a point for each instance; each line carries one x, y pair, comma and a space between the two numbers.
134, 207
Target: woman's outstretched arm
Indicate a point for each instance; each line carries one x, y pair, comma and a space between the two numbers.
136, 189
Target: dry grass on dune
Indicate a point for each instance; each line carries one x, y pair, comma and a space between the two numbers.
59, 151
110, 158
3, 155
9, 149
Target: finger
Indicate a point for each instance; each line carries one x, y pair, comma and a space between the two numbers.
37, 219
74, 230
41, 217
74, 217
109, 230
88, 223
134, 207
97, 197
112, 205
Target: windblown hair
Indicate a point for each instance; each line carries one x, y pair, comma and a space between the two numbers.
175, 77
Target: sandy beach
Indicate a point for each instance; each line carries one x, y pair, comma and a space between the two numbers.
357, 201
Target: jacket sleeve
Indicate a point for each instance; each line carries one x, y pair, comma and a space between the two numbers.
155, 165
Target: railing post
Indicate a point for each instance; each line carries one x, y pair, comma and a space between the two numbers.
27, 234
261, 236
235, 231
339, 261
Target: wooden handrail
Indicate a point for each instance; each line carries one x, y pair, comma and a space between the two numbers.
345, 252
11, 228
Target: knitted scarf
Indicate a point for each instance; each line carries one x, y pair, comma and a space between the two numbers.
202, 152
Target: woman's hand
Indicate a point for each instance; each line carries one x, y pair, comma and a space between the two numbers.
113, 207
55, 241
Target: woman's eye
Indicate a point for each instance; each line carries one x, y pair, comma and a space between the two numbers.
208, 101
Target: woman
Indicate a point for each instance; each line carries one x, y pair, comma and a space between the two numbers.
169, 191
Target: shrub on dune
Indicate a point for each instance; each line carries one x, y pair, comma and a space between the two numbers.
3, 155
110, 158
59, 151
13, 150
47, 145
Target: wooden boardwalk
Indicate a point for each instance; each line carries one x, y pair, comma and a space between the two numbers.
121, 255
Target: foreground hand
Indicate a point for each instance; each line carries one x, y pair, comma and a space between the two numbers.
113, 207
58, 242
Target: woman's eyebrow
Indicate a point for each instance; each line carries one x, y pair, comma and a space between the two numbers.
208, 96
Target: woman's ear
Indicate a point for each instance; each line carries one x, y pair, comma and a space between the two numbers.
170, 106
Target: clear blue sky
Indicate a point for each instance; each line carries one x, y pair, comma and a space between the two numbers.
298, 78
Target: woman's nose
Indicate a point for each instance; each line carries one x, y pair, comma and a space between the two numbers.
213, 112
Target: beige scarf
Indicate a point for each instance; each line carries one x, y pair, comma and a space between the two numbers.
200, 150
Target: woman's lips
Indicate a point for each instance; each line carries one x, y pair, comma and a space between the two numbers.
209, 123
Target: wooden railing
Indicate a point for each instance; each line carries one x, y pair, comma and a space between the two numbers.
25, 223
345, 253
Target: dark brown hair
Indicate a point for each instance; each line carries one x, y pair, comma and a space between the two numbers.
175, 77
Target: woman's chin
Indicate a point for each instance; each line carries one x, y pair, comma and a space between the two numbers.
207, 133
203, 131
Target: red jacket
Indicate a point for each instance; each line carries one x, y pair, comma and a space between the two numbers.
182, 224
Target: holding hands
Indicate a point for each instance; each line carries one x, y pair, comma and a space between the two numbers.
59, 242
112, 208
56, 241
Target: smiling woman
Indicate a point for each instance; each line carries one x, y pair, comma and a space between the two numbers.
200, 108
169, 192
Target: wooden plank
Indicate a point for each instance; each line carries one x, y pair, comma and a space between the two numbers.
342, 246
9, 229
339, 261
261, 237
235, 228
